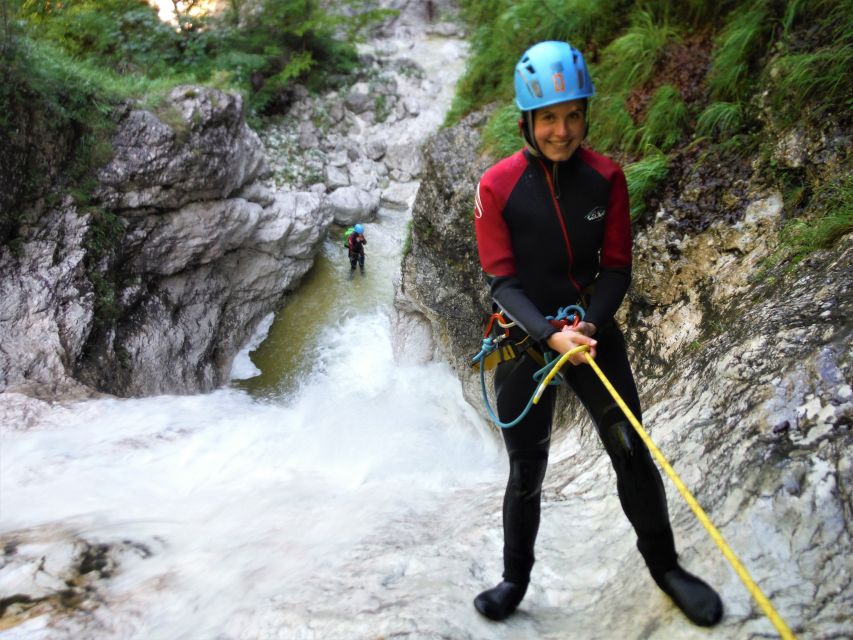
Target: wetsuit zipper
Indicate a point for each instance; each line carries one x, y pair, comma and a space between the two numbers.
559, 212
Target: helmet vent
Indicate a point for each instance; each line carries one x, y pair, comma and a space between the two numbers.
530, 69
536, 89
580, 79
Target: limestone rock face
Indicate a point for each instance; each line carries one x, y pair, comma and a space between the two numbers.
745, 377
46, 305
158, 293
442, 285
199, 148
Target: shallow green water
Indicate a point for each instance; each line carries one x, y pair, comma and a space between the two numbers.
328, 293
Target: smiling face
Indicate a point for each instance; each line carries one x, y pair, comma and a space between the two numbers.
559, 129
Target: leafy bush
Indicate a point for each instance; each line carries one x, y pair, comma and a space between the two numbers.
503, 30
828, 217
814, 71
65, 65
124, 35
54, 121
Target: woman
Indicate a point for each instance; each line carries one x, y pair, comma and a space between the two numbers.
553, 229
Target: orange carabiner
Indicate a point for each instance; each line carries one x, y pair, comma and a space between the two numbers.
501, 320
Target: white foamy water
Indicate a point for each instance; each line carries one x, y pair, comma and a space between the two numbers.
222, 502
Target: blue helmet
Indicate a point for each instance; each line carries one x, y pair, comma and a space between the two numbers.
551, 72
358, 229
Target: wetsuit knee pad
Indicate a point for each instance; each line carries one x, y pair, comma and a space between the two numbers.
622, 443
526, 476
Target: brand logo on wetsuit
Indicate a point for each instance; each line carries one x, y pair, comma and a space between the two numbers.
478, 204
595, 214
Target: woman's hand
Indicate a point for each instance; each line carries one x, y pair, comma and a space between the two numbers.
568, 338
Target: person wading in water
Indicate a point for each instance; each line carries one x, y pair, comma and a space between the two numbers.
355, 247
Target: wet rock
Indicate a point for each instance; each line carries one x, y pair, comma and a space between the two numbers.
412, 106
336, 177
399, 195
352, 204
375, 149
47, 304
359, 98
197, 234
406, 159
257, 192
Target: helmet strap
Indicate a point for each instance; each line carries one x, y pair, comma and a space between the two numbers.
525, 123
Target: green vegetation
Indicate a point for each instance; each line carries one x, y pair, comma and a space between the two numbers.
827, 217
720, 120
643, 178
726, 76
65, 67
500, 137
737, 49
666, 120
629, 60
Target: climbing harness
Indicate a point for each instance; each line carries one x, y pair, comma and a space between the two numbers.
492, 351
545, 376
716, 536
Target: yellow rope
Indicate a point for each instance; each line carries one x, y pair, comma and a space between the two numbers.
741, 571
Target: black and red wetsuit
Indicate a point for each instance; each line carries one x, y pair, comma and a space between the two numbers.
547, 233
355, 244
552, 230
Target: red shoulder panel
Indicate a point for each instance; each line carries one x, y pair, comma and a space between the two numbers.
493, 239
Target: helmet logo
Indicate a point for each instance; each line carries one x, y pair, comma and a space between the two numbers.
559, 82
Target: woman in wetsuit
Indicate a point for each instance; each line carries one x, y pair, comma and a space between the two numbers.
553, 229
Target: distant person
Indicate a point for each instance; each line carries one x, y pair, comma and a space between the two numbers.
553, 229
355, 246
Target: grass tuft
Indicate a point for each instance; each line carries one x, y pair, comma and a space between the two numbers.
643, 179
501, 136
610, 125
666, 120
629, 61
720, 120
742, 41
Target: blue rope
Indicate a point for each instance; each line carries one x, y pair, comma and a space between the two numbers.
490, 344
568, 313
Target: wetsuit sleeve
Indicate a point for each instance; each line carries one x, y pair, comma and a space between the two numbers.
614, 275
493, 238
494, 246
509, 295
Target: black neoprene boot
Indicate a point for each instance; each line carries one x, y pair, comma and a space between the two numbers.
499, 602
693, 596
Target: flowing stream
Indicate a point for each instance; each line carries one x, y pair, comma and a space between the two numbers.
285, 506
